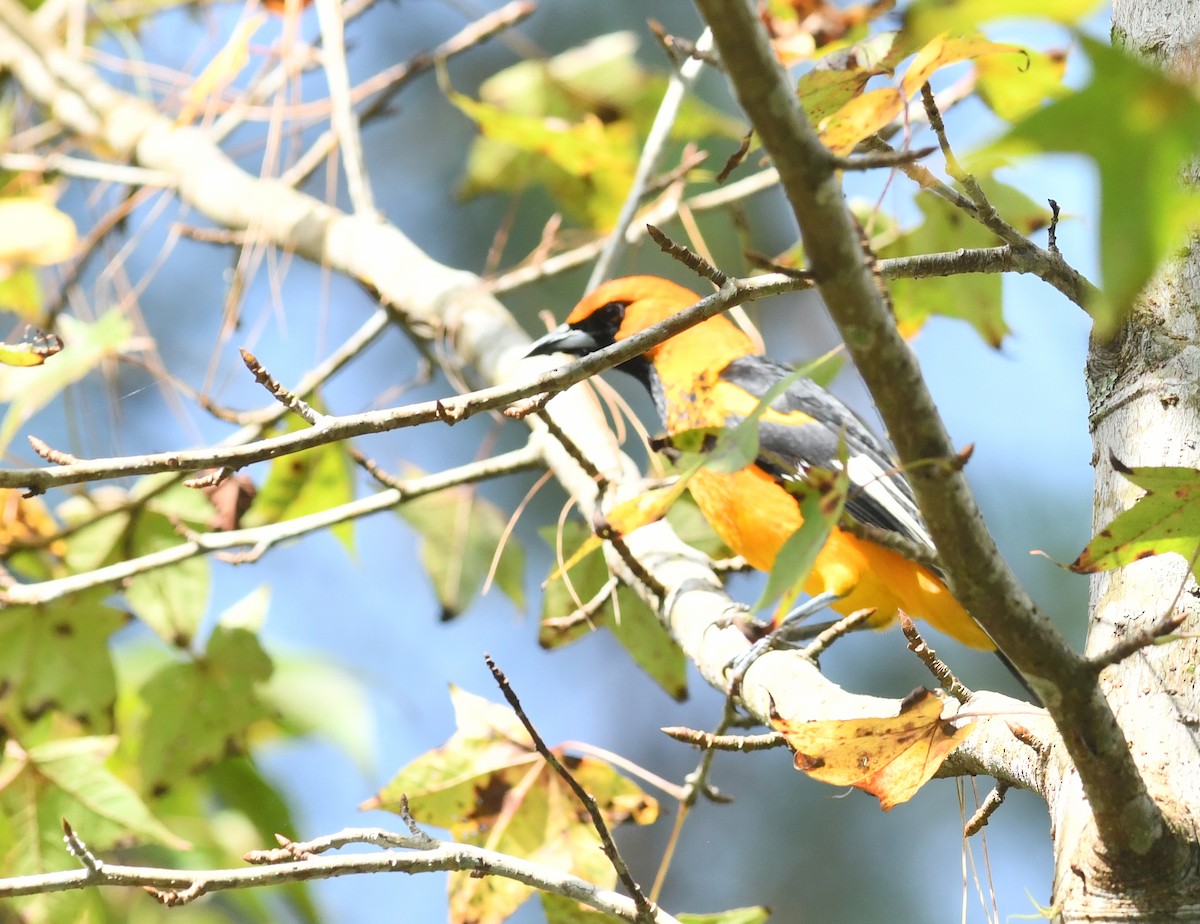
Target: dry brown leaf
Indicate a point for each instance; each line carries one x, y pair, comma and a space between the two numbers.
890, 757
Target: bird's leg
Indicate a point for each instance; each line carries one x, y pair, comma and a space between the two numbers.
788, 630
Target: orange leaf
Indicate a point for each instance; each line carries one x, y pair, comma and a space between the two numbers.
891, 757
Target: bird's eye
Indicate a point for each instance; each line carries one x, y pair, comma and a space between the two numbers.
605, 321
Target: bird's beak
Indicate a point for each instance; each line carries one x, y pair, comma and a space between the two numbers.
564, 339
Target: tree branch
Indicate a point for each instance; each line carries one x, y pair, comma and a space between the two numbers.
1127, 818
422, 854
260, 539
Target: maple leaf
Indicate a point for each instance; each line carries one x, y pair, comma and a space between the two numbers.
1165, 519
890, 757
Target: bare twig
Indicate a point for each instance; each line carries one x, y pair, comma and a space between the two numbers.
302, 862
259, 539
880, 159
844, 626
342, 119
709, 741
646, 908
1134, 642
945, 677
693, 261
447, 410
656, 139
984, 813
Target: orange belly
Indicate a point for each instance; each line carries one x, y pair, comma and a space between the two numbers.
755, 516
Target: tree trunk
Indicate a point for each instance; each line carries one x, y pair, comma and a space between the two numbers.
1145, 411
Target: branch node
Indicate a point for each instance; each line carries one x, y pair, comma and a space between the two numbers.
519, 410
211, 480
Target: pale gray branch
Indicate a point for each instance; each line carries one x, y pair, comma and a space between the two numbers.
403, 853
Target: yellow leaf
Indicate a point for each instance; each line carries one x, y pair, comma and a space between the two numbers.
945, 50
890, 757
25, 520
221, 70
32, 352
861, 117
625, 517
32, 230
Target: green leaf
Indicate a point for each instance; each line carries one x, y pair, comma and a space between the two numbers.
1148, 121
572, 125
42, 784
306, 482
756, 915
86, 345
561, 910
925, 19
587, 166
21, 293
822, 497
974, 298
489, 786
460, 532
171, 600
1165, 519
239, 785
1013, 87
631, 621
199, 709
312, 696
56, 658
840, 76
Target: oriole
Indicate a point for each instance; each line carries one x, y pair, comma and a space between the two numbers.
711, 376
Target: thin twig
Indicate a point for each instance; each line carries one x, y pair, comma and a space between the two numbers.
260, 539
945, 677
284, 396
448, 410
709, 741
695, 784
342, 119
984, 813
652, 148
390, 81
844, 626
1134, 642
692, 260
646, 909
880, 159
302, 862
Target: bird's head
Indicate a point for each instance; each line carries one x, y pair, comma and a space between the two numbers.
620, 308
614, 311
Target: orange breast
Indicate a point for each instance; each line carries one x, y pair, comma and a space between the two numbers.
755, 517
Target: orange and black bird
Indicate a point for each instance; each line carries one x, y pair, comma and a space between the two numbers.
710, 376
